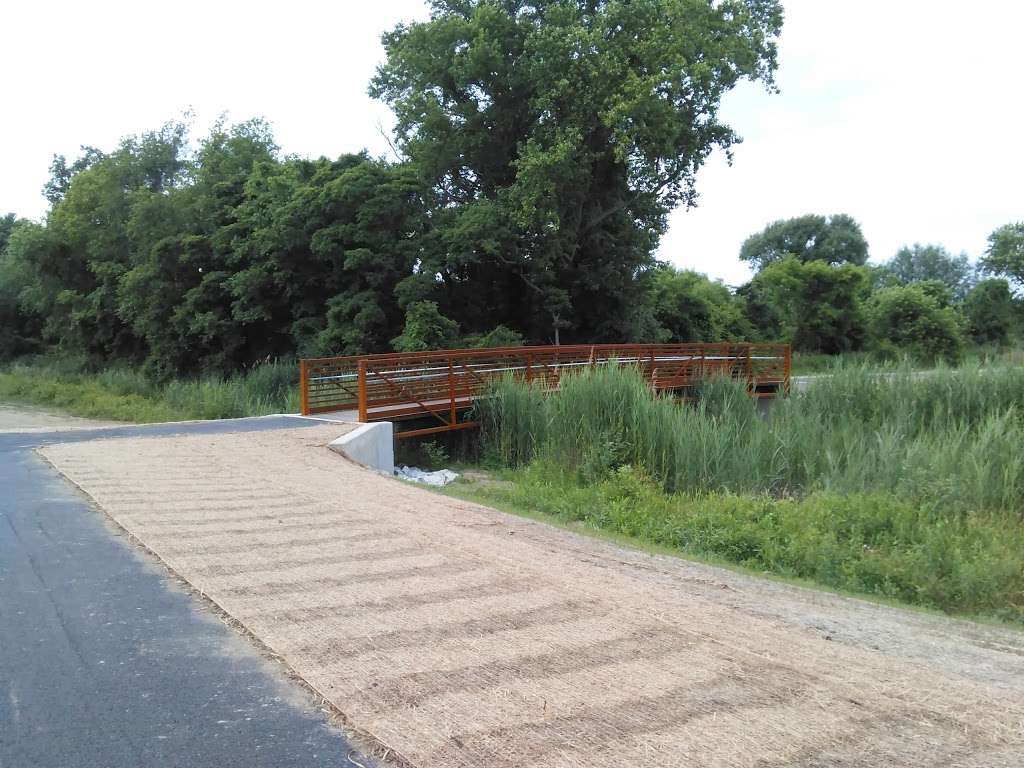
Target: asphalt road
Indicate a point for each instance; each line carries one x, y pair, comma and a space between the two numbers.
106, 661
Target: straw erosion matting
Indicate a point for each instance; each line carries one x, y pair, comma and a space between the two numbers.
461, 636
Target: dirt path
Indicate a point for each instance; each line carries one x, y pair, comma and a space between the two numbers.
461, 636
27, 418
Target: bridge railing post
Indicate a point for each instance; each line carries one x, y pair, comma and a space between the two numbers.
451, 390
304, 387
364, 415
787, 366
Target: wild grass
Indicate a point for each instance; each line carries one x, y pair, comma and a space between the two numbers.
949, 435
897, 482
125, 394
875, 544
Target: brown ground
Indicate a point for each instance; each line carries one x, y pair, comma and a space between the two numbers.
461, 636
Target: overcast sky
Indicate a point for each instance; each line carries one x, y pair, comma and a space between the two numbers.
906, 114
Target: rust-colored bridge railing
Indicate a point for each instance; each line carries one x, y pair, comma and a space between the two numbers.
440, 385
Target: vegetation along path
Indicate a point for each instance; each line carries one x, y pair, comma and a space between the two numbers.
462, 636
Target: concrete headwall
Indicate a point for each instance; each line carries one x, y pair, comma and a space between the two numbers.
372, 445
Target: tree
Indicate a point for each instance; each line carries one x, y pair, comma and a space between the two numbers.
554, 137
919, 263
320, 249
61, 173
690, 307
6, 228
904, 319
830, 239
20, 327
818, 306
112, 210
1005, 253
426, 328
989, 311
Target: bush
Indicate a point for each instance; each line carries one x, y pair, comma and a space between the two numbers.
499, 336
818, 305
426, 328
989, 311
905, 319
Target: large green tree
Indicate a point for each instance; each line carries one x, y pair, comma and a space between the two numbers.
322, 248
554, 137
1005, 253
830, 239
920, 263
689, 307
818, 306
905, 319
19, 329
177, 297
989, 311
107, 213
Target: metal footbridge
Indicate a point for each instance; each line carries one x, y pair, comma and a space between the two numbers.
439, 387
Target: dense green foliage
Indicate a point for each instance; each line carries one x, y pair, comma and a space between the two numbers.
828, 239
123, 394
817, 306
687, 306
907, 318
899, 484
1005, 254
930, 263
989, 311
555, 137
542, 146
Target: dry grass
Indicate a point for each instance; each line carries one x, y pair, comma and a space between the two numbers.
460, 636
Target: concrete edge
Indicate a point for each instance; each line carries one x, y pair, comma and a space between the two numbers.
371, 445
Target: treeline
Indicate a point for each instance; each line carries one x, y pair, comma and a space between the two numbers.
541, 148
812, 287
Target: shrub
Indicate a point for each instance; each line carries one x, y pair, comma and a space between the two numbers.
819, 305
988, 309
426, 328
905, 319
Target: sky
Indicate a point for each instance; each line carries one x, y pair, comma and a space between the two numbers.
905, 114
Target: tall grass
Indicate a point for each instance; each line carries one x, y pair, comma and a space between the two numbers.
125, 394
894, 483
950, 436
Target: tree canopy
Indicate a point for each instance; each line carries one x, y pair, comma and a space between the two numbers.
555, 136
541, 148
920, 263
1005, 253
830, 239
819, 306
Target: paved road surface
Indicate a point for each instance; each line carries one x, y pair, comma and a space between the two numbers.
107, 661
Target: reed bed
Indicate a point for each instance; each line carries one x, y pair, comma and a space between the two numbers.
952, 435
891, 482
